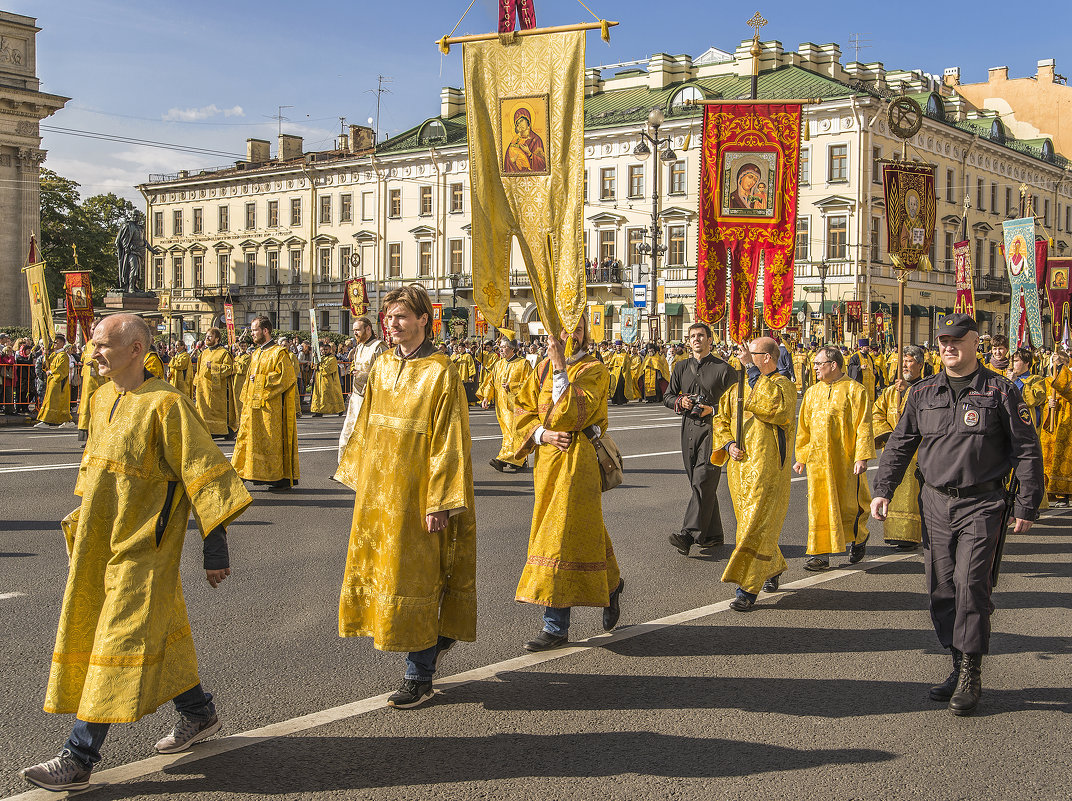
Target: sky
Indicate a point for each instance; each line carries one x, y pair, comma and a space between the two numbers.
212, 73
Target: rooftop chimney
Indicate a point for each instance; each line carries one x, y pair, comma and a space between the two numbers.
451, 102
258, 151
1047, 69
997, 74
290, 147
360, 138
951, 76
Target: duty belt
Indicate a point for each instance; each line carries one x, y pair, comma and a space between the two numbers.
969, 492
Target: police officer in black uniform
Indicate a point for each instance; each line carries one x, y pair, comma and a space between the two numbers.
972, 429
696, 384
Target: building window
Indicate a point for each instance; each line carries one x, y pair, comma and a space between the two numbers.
325, 321
675, 255
273, 213
950, 189
805, 166
979, 194
838, 166
346, 208
368, 205
456, 256
978, 256
177, 269
325, 210
424, 258
607, 183
199, 221
876, 165
223, 218
457, 199
675, 324
394, 199
1046, 212
273, 267
426, 201
345, 268
394, 260
158, 223
223, 269
636, 180
837, 236
678, 182
295, 266
1008, 201
158, 267
295, 212
251, 216
584, 194
251, 268
295, 321
948, 250
176, 223
199, 270
876, 227
325, 263
606, 246
634, 238
992, 257
993, 198
803, 239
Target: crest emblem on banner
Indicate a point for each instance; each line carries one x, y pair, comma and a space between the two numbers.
911, 209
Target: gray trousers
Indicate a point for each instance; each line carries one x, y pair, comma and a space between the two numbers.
960, 538
702, 518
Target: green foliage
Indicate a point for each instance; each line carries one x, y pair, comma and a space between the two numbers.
16, 331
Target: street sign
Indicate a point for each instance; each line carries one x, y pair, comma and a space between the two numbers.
640, 296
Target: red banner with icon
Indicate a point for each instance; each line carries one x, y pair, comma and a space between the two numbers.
749, 175
437, 319
1058, 272
356, 296
228, 319
965, 302
79, 295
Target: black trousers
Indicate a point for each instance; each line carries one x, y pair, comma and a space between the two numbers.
960, 538
702, 519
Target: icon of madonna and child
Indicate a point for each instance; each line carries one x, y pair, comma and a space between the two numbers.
524, 152
748, 188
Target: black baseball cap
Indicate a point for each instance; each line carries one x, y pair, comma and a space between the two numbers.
956, 325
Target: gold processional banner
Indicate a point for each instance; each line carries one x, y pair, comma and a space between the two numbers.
524, 104
595, 322
40, 308
910, 213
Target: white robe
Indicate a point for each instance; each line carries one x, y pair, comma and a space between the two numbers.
362, 356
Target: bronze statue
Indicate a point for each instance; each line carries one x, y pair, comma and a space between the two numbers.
130, 245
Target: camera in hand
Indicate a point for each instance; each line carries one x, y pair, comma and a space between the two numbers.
698, 399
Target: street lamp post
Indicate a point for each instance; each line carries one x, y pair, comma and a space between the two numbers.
667, 156
822, 268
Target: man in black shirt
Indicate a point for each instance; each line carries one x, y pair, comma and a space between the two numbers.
696, 384
972, 429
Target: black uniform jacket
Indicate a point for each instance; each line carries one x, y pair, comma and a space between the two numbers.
962, 443
709, 377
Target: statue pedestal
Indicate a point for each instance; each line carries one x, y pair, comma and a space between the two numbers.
131, 301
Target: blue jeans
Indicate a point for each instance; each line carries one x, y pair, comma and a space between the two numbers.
556, 621
421, 665
87, 738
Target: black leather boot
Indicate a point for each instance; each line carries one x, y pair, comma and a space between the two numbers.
945, 690
969, 687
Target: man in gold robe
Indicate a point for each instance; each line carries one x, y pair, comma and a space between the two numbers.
622, 388
266, 448
758, 471
500, 388
1056, 432
1032, 387
463, 360
571, 562
153, 363
366, 350
55, 406
91, 381
654, 374
180, 370
214, 393
802, 368
862, 368
410, 580
124, 645
299, 371
241, 359
834, 441
902, 527
327, 386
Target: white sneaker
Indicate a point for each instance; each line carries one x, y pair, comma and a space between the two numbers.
68, 424
42, 424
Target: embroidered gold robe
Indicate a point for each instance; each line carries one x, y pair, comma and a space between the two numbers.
500, 388
802, 368
181, 374
241, 373
214, 394
154, 365
327, 388
902, 520
266, 448
124, 645
466, 366
620, 369
652, 368
56, 405
91, 381
570, 558
1056, 434
835, 431
759, 483
409, 456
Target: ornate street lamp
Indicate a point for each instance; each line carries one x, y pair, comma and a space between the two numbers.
667, 156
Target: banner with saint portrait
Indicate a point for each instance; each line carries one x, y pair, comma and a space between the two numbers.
595, 322
1057, 291
79, 298
357, 296
911, 209
40, 308
524, 105
965, 301
749, 174
630, 333
1019, 240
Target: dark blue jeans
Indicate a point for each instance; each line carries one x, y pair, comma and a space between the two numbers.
556, 621
87, 738
421, 665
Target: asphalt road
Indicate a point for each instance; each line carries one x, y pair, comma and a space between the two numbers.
818, 691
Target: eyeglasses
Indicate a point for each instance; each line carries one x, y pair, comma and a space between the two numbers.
758, 353
820, 364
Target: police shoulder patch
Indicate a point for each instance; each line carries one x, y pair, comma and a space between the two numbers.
1025, 415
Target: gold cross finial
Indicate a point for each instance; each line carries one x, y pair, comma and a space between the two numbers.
756, 22
74, 249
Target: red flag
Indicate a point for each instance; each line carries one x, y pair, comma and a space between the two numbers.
33, 251
524, 11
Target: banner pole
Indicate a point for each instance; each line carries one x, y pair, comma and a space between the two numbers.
447, 41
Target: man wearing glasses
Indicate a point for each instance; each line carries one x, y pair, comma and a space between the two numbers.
969, 430
834, 440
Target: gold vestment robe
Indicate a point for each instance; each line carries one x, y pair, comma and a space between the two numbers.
902, 520
1033, 392
653, 368
408, 457
1056, 434
299, 396
181, 373
124, 645
759, 483
154, 365
570, 558
867, 373
803, 370
620, 368
56, 405
466, 366
834, 432
266, 448
500, 388
327, 388
213, 393
241, 373
91, 382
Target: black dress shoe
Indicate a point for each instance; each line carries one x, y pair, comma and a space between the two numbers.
857, 552
682, 541
613, 610
710, 543
772, 584
907, 546
498, 465
545, 641
742, 604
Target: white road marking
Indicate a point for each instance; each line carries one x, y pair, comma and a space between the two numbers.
49, 436
643, 455
15, 450
211, 748
5, 595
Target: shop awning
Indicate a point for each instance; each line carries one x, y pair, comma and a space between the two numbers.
917, 311
801, 305
832, 306
675, 309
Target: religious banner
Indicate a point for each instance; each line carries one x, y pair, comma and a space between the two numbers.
1019, 239
854, 310
40, 308
653, 327
481, 323
965, 302
228, 320
522, 9
1058, 293
314, 334
910, 213
382, 319
79, 303
357, 296
880, 325
629, 326
749, 172
524, 104
595, 322
437, 319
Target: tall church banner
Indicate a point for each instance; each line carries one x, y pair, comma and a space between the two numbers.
228, 320
629, 326
1058, 293
595, 322
40, 308
965, 302
1019, 238
524, 104
749, 173
911, 210
357, 296
79, 301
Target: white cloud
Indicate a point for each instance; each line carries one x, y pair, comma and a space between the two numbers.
203, 113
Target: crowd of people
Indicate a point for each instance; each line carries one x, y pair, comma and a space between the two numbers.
973, 435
